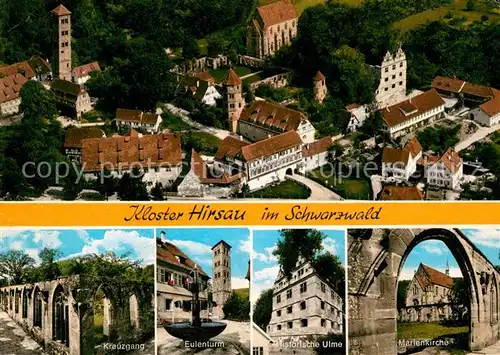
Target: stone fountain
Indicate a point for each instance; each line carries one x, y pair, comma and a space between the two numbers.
196, 330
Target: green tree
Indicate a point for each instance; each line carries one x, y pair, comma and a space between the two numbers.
237, 308
263, 309
12, 181
106, 183
460, 299
49, 268
37, 103
190, 49
131, 187
401, 296
294, 243
15, 264
74, 183
471, 5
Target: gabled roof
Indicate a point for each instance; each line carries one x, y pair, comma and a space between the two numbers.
401, 193
395, 156
124, 151
448, 84
167, 252
450, 159
136, 116
22, 68
277, 12
10, 87
230, 147
75, 136
272, 115
86, 69
433, 277
200, 169
317, 147
492, 107
414, 147
232, 78
319, 76
67, 87
408, 109
205, 75
271, 146
61, 11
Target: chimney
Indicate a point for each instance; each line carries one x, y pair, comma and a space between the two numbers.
162, 237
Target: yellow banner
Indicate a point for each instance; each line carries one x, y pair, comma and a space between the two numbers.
240, 213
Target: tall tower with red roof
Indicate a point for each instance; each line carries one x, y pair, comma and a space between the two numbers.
235, 102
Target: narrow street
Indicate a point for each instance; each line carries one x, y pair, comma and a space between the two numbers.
14, 341
318, 192
481, 133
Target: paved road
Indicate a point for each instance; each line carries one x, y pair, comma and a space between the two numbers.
318, 192
14, 341
481, 133
184, 115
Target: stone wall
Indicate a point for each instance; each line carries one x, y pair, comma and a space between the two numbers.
202, 64
375, 260
275, 81
59, 315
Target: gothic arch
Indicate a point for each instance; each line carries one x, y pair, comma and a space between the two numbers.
24, 308
37, 308
494, 301
375, 263
60, 315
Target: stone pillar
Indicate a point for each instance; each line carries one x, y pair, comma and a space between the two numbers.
75, 336
134, 311
107, 322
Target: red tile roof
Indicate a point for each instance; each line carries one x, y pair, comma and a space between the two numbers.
414, 147
75, 136
450, 159
136, 116
168, 253
317, 147
448, 84
413, 107
429, 276
232, 78
271, 146
205, 76
200, 169
395, 155
351, 107
492, 107
85, 70
319, 76
277, 12
230, 147
10, 87
477, 90
61, 11
401, 193
125, 151
22, 68
271, 115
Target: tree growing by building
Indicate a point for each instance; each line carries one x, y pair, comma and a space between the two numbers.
237, 308
263, 309
308, 244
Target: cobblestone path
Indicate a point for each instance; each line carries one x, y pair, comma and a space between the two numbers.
14, 341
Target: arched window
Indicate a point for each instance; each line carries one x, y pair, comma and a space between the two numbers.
60, 317
494, 302
17, 301
37, 310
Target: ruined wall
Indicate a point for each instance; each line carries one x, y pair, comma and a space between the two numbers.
375, 258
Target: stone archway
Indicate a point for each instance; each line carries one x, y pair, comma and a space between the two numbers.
289, 171
375, 260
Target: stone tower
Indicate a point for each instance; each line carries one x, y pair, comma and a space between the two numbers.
62, 56
392, 86
319, 86
221, 278
447, 271
234, 98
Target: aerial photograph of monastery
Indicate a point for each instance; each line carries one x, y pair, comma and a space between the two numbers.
424, 291
203, 285
267, 99
298, 292
77, 292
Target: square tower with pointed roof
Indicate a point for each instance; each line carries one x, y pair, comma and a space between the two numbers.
62, 49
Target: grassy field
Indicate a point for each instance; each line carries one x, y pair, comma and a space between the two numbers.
286, 190
351, 189
174, 123
301, 5
427, 330
220, 73
457, 9
98, 328
207, 141
203, 45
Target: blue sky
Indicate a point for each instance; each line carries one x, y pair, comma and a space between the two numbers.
197, 243
71, 243
265, 265
435, 253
